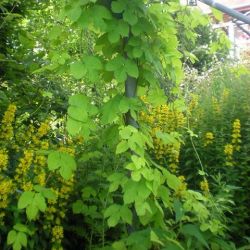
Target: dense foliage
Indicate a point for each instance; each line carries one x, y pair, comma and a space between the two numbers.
221, 124
101, 147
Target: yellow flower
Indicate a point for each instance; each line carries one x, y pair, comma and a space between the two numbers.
57, 233
27, 186
193, 102
236, 124
41, 178
3, 160
209, 137
204, 186
40, 160
24, 165
43, 129
166, 119
143, 98
182, 178
30, 131
6, 189
68, 150
228, 150
236, 135
6, 130
44, 145
80, 139
41, 132
183, 186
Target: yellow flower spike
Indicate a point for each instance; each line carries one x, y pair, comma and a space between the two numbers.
6, 130
236, 135
41, 132
30, 131
164, 119
183, 186
57, 233
41, 179
204, 186
6, 189
41, 160
193, 103
24, 165
3, 160
43, 129
228, 149
209, 138
27, 186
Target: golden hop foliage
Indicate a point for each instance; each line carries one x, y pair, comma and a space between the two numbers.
6, 130
204, 186
209, 138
